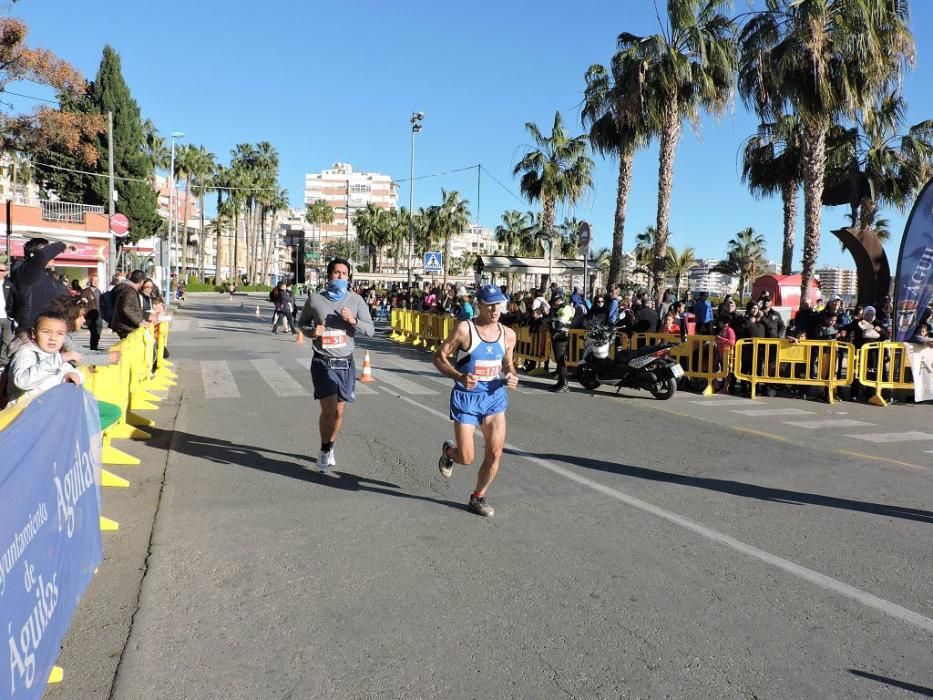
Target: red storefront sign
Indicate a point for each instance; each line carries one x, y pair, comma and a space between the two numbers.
80, 254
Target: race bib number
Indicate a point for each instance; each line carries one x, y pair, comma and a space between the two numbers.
333, 338
487, 370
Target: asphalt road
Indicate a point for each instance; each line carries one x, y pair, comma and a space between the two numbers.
698, 547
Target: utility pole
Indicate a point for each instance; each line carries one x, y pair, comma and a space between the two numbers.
110, 188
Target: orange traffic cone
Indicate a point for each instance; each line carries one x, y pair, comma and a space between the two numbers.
367, 375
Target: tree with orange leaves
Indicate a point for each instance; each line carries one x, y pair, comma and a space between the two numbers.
74, 132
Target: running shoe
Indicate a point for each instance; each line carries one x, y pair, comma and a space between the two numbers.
480, 507
324, 460
445, 465
332, 459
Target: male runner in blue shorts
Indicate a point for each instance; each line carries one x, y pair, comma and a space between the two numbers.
483, 348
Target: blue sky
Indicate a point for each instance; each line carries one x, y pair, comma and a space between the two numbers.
337, 81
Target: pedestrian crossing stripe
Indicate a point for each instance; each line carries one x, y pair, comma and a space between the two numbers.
909, 436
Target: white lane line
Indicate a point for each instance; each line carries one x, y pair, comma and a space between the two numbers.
823, 581
360, 389
405, 385
774, 412
727, 402
218, 380
179, 326
828, 423
909, 436
280, 381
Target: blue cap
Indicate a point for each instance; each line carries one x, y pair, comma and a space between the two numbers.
490, 294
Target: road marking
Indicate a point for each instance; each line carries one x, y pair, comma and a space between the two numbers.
179, 326
867, 599
752, 412
911, 435
882, 459
828, 423
218, 380
405, 385
760, 433
727, 402
280, 381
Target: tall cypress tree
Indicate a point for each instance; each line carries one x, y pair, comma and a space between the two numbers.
137, 199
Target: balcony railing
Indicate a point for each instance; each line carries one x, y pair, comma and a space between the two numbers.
67, 212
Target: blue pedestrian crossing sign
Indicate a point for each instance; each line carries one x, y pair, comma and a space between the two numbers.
434, 262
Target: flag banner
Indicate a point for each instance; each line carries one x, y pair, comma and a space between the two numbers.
913, 286
49, 530
921, 368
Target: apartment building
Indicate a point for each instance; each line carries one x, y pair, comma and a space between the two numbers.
702, 278
348, 191
837, 280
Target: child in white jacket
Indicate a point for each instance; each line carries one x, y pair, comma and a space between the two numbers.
39, 364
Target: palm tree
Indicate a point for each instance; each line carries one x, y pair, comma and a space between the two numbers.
688, 65
399, 222
204, 166
645, 245
555, 171
371, 230
318, 214
745, 254
772, 163
157, 152
599, 265
679, 263
185, 165
569, 237
896, 165
617, 127
825, 59
219, 182
453, 217
277, 203
509, 232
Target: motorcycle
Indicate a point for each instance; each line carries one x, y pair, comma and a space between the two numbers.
650, 367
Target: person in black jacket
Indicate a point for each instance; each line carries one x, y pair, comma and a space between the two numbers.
646, 318
6, 302
35, 286
127, 307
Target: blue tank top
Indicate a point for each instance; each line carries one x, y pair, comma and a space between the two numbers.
483, 359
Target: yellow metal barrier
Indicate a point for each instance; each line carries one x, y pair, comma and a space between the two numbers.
698, 355
884, 365
827, 364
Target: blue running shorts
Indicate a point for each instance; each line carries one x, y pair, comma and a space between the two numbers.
333, 380
470, 407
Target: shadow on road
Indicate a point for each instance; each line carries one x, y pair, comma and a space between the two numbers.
918, 689
256, 457
738, 488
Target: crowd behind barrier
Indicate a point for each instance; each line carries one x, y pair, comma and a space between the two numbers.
824, 364
118, 394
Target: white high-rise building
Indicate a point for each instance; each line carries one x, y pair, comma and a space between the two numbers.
348, 191
837, 280
703, 279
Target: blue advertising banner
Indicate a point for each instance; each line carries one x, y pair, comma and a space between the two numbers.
913, 284
49, 530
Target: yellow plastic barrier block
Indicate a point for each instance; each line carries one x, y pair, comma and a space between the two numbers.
139, 421
57, 674
111, 480
111, 455
108, 525
122, 431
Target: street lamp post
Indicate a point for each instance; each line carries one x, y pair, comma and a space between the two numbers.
172, 223
416, 118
